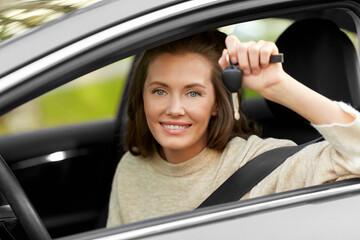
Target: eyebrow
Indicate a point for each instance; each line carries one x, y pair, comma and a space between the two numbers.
186, 86
194, 85
158, 83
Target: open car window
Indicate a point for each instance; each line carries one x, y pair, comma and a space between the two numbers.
96, 95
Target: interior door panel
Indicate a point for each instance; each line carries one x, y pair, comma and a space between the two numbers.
66, 172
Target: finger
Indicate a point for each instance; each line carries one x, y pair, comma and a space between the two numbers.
243, 57
222, 60
268, 49
254, 57
231, 45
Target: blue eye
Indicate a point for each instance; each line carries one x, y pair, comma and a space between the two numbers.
159, 92
193, 94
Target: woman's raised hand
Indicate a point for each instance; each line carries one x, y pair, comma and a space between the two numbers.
253, 59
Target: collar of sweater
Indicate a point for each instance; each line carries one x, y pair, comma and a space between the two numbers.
205, 157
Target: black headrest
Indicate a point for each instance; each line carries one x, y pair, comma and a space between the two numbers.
319, 55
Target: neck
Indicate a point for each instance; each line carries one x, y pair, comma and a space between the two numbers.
179, 156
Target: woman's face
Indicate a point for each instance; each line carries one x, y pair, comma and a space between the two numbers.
179, 100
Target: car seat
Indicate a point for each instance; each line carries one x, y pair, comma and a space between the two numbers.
321, 56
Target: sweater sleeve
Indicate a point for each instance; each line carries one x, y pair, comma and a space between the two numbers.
335, 159
345, 138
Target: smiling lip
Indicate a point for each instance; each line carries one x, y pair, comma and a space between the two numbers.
175, 128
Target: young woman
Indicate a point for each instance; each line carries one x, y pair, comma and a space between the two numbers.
183, 139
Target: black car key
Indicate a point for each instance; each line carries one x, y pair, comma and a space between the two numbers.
232, 78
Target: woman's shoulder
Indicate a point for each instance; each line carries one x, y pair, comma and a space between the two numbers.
255, 140
130, 162
128, 156
249, 148
130, 159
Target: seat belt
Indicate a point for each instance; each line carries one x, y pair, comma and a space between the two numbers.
246, 177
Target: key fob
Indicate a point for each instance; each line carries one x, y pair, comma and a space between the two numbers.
232, 78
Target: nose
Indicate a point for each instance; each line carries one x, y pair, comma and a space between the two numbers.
175, 107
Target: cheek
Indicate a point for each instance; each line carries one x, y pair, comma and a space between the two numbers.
152, 106
147, 106
150, 116
201, 110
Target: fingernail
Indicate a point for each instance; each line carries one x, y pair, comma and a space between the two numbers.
255, 72
247, 72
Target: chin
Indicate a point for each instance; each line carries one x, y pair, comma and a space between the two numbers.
174, 147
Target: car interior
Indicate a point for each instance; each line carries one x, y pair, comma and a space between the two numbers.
75, 194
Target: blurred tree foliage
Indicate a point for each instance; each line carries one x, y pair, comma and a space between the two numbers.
20, 15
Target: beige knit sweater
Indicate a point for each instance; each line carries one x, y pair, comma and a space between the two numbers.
150, 187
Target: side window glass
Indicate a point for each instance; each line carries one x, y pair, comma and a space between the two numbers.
92, 97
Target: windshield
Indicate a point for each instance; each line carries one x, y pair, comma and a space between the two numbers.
17, 16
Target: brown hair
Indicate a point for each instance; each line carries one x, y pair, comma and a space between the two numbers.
222, 128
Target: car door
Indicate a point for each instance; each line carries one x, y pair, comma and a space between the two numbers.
87, 171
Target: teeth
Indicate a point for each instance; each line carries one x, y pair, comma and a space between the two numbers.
174, 127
